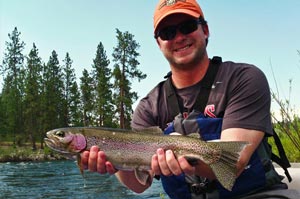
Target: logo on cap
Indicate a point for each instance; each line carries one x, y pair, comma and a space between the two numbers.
169, 3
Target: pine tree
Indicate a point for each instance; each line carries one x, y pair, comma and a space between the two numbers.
87, 98
53, 88
102, 75
13, 89
33, 89
3, 126
125, 69
75, 106
71, 94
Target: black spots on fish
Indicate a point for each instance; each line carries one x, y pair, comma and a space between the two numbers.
94, 140
60, 134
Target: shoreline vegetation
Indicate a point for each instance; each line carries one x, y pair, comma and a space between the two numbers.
25, 153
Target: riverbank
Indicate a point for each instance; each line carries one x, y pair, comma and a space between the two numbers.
10, 153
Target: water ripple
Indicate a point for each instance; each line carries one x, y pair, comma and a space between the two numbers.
62, 180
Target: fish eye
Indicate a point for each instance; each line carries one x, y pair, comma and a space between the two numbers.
60, 133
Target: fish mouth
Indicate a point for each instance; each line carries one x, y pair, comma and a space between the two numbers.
52, 144
49, 142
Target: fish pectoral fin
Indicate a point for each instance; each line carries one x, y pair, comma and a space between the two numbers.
80, 165
143, 176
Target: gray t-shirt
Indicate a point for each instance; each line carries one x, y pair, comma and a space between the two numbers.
240, 94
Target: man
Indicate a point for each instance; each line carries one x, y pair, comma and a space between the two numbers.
238, 106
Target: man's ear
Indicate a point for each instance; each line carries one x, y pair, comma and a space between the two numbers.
205, 30
157, 41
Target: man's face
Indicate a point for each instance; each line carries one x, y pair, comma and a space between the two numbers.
184, 49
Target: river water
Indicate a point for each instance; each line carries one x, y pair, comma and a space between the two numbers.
62, 179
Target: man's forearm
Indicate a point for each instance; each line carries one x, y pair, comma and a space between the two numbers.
129, 180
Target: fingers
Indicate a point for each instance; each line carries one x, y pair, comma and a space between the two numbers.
110, 168
101, 167
155, 165
85, 159
165, 163
185, 166
172, 162
162, 162
95, 161
92, 163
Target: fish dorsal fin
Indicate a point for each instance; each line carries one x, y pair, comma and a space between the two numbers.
194, 135
143, 176
152, 130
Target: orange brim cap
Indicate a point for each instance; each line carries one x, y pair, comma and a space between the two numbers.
168, 7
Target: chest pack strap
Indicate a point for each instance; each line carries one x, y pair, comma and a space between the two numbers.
174, 105
281, 160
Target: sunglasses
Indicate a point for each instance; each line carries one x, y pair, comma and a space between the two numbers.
169, 32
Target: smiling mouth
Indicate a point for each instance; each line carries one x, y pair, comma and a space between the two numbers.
183, 48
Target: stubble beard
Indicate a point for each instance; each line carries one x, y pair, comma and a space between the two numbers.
194, 61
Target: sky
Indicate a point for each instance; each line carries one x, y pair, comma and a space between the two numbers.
265, 33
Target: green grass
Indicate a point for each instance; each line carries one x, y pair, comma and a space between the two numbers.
11, 153
292, 153
162, 196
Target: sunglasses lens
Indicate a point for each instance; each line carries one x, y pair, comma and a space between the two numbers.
187, 27
168, 33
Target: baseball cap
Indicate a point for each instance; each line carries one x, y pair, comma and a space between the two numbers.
168, 7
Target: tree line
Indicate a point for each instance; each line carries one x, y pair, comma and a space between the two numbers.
38, 96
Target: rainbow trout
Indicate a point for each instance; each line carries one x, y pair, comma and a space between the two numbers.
129, 150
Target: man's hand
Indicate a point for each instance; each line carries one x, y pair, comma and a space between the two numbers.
95, 161
166, 163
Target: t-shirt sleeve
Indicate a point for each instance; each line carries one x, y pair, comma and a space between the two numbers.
146, 112
143, 115
249, 101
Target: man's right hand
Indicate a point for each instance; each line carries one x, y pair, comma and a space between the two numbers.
95, 161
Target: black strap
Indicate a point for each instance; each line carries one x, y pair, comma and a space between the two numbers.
206, 84
172, 101
282, 160
175, 107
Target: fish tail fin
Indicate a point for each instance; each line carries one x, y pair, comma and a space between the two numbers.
225, 168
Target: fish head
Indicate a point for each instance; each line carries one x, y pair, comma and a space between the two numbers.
65, 142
